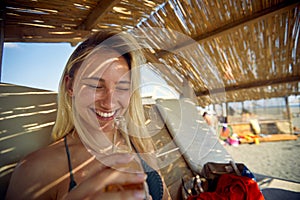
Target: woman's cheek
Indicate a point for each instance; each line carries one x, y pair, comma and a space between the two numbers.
125, 100
84, 104
84, 98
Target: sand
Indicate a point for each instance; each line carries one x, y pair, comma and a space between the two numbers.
276, 159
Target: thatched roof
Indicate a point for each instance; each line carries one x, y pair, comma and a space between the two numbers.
250, 49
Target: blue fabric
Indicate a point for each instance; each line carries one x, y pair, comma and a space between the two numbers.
154, 182
246, 172
72, 183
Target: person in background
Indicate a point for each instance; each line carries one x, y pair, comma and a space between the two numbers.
211, 121
207, 118
100, 83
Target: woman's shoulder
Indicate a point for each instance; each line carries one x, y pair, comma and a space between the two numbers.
44, 156
48, 161
37, 169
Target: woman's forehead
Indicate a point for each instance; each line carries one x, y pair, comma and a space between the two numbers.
100, 61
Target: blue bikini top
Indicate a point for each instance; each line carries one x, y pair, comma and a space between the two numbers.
153, 178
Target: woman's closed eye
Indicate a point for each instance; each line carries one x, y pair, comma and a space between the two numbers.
101, 85
95, 86
122, 88
94, 83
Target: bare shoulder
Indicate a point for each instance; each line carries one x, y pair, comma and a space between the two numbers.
41, 159
36, 170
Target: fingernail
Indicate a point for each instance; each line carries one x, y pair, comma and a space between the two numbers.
142, 176
126, 158
140, 194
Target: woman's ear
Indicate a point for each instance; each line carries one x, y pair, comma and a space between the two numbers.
69, 85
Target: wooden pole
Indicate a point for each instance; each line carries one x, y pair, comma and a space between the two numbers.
242, 106
288, 113
2, 15
214, 108
226, 110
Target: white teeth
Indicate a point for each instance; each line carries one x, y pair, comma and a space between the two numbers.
103, 114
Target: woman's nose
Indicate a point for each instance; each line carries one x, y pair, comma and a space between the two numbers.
108, 98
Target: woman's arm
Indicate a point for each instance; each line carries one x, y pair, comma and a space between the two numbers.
29, 179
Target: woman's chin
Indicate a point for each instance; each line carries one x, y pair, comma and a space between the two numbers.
106, 126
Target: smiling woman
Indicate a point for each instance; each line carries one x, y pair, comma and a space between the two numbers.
101, 90
99, 85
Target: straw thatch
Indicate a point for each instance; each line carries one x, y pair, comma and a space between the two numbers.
228, 50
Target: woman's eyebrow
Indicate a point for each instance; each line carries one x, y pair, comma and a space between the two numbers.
102, 80
124, 82
94, 78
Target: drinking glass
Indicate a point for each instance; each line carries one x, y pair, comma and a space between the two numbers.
122, 144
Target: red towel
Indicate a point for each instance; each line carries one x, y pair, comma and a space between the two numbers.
232, 187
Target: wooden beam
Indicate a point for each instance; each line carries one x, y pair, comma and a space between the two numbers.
36, 34
279, 8
96, 15
255, 84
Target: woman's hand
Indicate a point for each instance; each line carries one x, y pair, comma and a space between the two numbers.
95, 186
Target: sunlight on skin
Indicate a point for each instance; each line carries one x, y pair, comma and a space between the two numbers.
48, 187
107, 63
98, 65
94, 73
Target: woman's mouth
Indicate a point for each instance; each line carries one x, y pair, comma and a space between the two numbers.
105, 115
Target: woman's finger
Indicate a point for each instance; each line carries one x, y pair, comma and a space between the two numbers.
93, 166
108, 177
115, 159
128, 195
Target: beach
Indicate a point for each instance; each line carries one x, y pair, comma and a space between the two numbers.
276, 159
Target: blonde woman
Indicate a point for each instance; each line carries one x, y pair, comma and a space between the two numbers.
99, 85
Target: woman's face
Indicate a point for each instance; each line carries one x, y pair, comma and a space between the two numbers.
101, 90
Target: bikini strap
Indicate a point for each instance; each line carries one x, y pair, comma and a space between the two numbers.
156, 188
72, 181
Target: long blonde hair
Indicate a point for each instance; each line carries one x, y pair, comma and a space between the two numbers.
135, 116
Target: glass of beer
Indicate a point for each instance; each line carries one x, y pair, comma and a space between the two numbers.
122, 144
